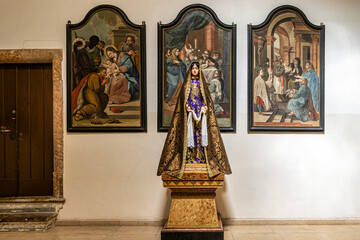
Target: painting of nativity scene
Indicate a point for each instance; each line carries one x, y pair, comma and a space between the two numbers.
106, 73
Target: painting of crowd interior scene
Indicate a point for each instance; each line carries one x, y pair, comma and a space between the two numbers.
197, 37
106, 73
286, 73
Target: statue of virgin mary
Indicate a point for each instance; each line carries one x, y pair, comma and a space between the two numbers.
194, 136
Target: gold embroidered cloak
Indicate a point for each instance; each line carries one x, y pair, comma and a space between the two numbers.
173, 157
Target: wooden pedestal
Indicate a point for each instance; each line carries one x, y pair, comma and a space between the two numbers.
193, 233
193, 213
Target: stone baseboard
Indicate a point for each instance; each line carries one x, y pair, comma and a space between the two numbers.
226, 222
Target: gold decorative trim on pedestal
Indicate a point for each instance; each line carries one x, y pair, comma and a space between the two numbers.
193, 200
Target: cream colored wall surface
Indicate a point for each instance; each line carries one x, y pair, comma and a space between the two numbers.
113, 175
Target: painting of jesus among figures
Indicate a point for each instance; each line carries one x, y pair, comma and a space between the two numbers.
286, 86
196, 36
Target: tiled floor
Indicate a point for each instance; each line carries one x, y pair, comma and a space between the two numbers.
248, 232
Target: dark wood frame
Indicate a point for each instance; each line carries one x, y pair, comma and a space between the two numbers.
142, 80
251, 28
231, 28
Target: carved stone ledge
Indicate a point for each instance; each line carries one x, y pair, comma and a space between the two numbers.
30, 55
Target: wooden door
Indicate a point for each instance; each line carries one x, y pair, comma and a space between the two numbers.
26, 132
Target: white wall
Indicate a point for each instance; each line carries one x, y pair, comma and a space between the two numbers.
113, 175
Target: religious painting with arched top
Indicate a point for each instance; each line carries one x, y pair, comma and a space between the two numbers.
286, 73
106, 72
197, 35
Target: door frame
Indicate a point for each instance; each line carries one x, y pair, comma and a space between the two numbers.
55, 57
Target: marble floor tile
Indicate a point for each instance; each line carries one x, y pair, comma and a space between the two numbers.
304, 236
138, 230
256, 236
251, 229
92, 230
134, 237
227, 228
332, 228
344, 235
291, 228
80, 237
355, 227
228, 235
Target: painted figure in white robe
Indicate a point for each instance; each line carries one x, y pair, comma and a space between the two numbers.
261, 98
216, 89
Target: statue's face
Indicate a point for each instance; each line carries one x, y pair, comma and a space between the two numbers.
195, 70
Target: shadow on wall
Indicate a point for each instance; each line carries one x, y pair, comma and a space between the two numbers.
222, 202
166, 207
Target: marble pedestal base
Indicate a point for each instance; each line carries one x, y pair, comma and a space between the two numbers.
193, 213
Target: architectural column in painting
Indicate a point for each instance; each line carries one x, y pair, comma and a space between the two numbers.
315, 48
298, 45
209, 31
182, 53
258, 48
286, 56
269, 45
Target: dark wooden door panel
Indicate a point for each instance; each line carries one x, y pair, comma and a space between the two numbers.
26, 160
8, 158
24, 120
37, 187
36, 123
36, 162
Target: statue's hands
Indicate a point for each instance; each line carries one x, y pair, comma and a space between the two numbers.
188, 108
131, 53
204, 109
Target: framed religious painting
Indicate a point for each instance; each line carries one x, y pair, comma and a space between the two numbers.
106, 73
286, 73
197, 35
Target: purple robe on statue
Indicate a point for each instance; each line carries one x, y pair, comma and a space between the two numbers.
195, 101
